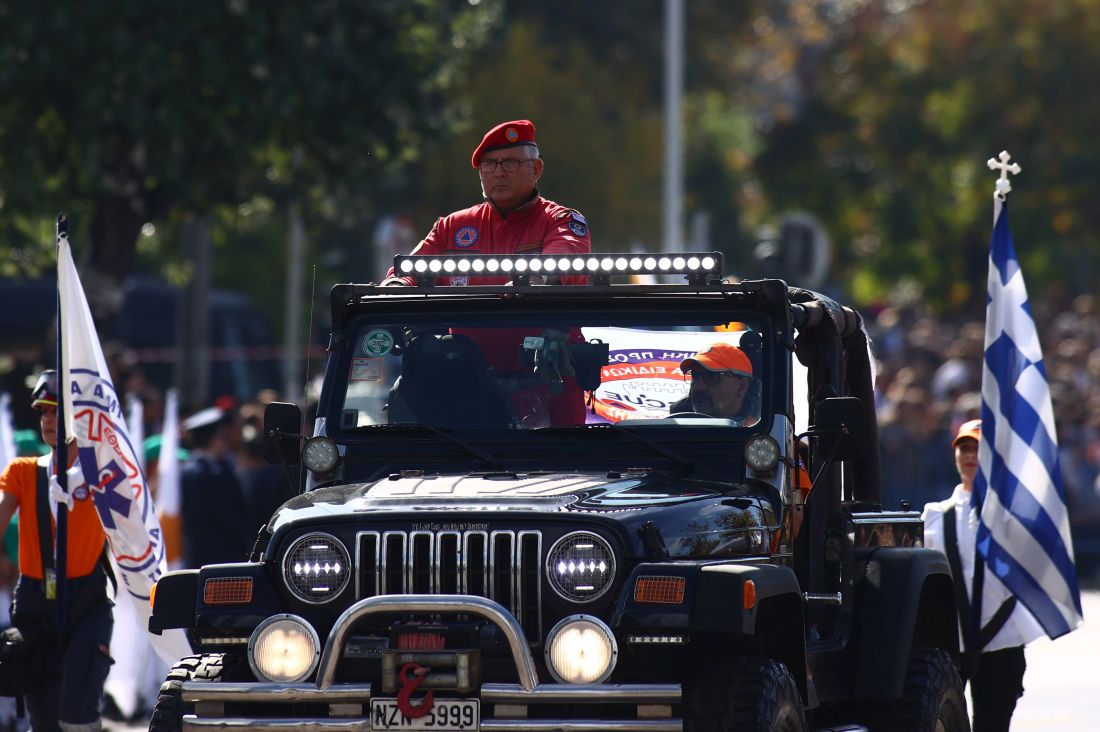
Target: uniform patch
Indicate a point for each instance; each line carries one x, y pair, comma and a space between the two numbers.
466, 237
578, 228
576, 216
531, 247
80, 493
512, 134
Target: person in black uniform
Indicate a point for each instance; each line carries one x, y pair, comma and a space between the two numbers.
212, 501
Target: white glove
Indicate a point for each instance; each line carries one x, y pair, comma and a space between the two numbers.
65, 498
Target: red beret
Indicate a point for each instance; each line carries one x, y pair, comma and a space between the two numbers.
506, 134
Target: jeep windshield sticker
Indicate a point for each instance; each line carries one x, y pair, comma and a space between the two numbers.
643, 379
377, 342
365, 369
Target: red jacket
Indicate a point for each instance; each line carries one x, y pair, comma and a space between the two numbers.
538, 227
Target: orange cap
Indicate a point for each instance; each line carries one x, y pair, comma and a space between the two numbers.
720, 357
506, 134
972, 429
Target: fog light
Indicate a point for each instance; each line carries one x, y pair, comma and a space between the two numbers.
762, 453
320, 454
581, 650
284, 649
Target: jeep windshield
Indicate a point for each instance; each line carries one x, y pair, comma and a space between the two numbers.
529, 371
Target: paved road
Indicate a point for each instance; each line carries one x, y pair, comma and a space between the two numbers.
1062, 691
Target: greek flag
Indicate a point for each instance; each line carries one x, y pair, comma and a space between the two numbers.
1023, 532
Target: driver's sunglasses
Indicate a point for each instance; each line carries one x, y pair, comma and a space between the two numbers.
707, 377
510, 165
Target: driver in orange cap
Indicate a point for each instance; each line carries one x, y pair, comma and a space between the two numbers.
721, 383
513, 218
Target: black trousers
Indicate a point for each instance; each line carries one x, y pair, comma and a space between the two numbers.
996, 687
68, 682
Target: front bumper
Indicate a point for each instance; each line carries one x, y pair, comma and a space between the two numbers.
505, 707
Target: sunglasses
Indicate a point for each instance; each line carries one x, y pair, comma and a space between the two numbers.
709, 378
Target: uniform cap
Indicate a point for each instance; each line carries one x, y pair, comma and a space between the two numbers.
720, 357
506, 134
152, 445
29, 443
972, 429
209, 417
44, 393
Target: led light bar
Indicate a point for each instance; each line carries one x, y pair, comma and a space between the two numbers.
224, 641
697, 266
657, 640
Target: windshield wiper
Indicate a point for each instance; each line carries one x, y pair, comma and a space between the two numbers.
413, 426
618, 427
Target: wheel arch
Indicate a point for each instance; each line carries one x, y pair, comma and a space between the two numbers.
904, 600
771, 626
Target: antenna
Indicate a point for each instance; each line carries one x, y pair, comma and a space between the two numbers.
309, 330
309, 350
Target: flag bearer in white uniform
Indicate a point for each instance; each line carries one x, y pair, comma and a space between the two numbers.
993, 658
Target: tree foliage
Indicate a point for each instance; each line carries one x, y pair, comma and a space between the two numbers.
876, 116
900, 112
135, 112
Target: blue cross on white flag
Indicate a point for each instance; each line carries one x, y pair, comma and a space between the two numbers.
1024, 526
108, 455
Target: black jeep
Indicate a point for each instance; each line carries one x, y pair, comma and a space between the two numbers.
515, 515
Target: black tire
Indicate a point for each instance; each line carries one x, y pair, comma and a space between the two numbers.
743, 694
933, 698
169, 708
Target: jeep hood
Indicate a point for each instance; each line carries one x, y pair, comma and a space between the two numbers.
679, 506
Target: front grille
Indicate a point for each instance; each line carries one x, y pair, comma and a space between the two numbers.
499, 565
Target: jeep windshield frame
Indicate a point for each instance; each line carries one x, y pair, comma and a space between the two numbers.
379, 327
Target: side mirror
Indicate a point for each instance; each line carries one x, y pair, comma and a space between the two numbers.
282, 433
841, 419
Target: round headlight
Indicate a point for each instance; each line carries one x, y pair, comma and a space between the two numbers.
320, 454
762, 453
284, 649
580, 566
316, 568
581, 650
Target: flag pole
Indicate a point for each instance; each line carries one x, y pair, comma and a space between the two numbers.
61, 464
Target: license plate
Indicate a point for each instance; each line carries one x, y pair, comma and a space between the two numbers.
446, 715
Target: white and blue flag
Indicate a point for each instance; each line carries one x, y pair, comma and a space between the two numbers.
1023, 532
109, 456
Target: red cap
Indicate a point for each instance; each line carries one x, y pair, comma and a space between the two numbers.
972, 429
721, 357
506, 134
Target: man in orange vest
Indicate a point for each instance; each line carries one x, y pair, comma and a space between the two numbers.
68, 665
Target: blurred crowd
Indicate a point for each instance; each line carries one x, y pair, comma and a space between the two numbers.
929, 383
226, 487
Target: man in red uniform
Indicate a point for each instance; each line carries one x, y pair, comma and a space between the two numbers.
70, 664
513, 219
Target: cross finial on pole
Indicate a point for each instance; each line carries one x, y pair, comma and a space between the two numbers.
1004, 185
